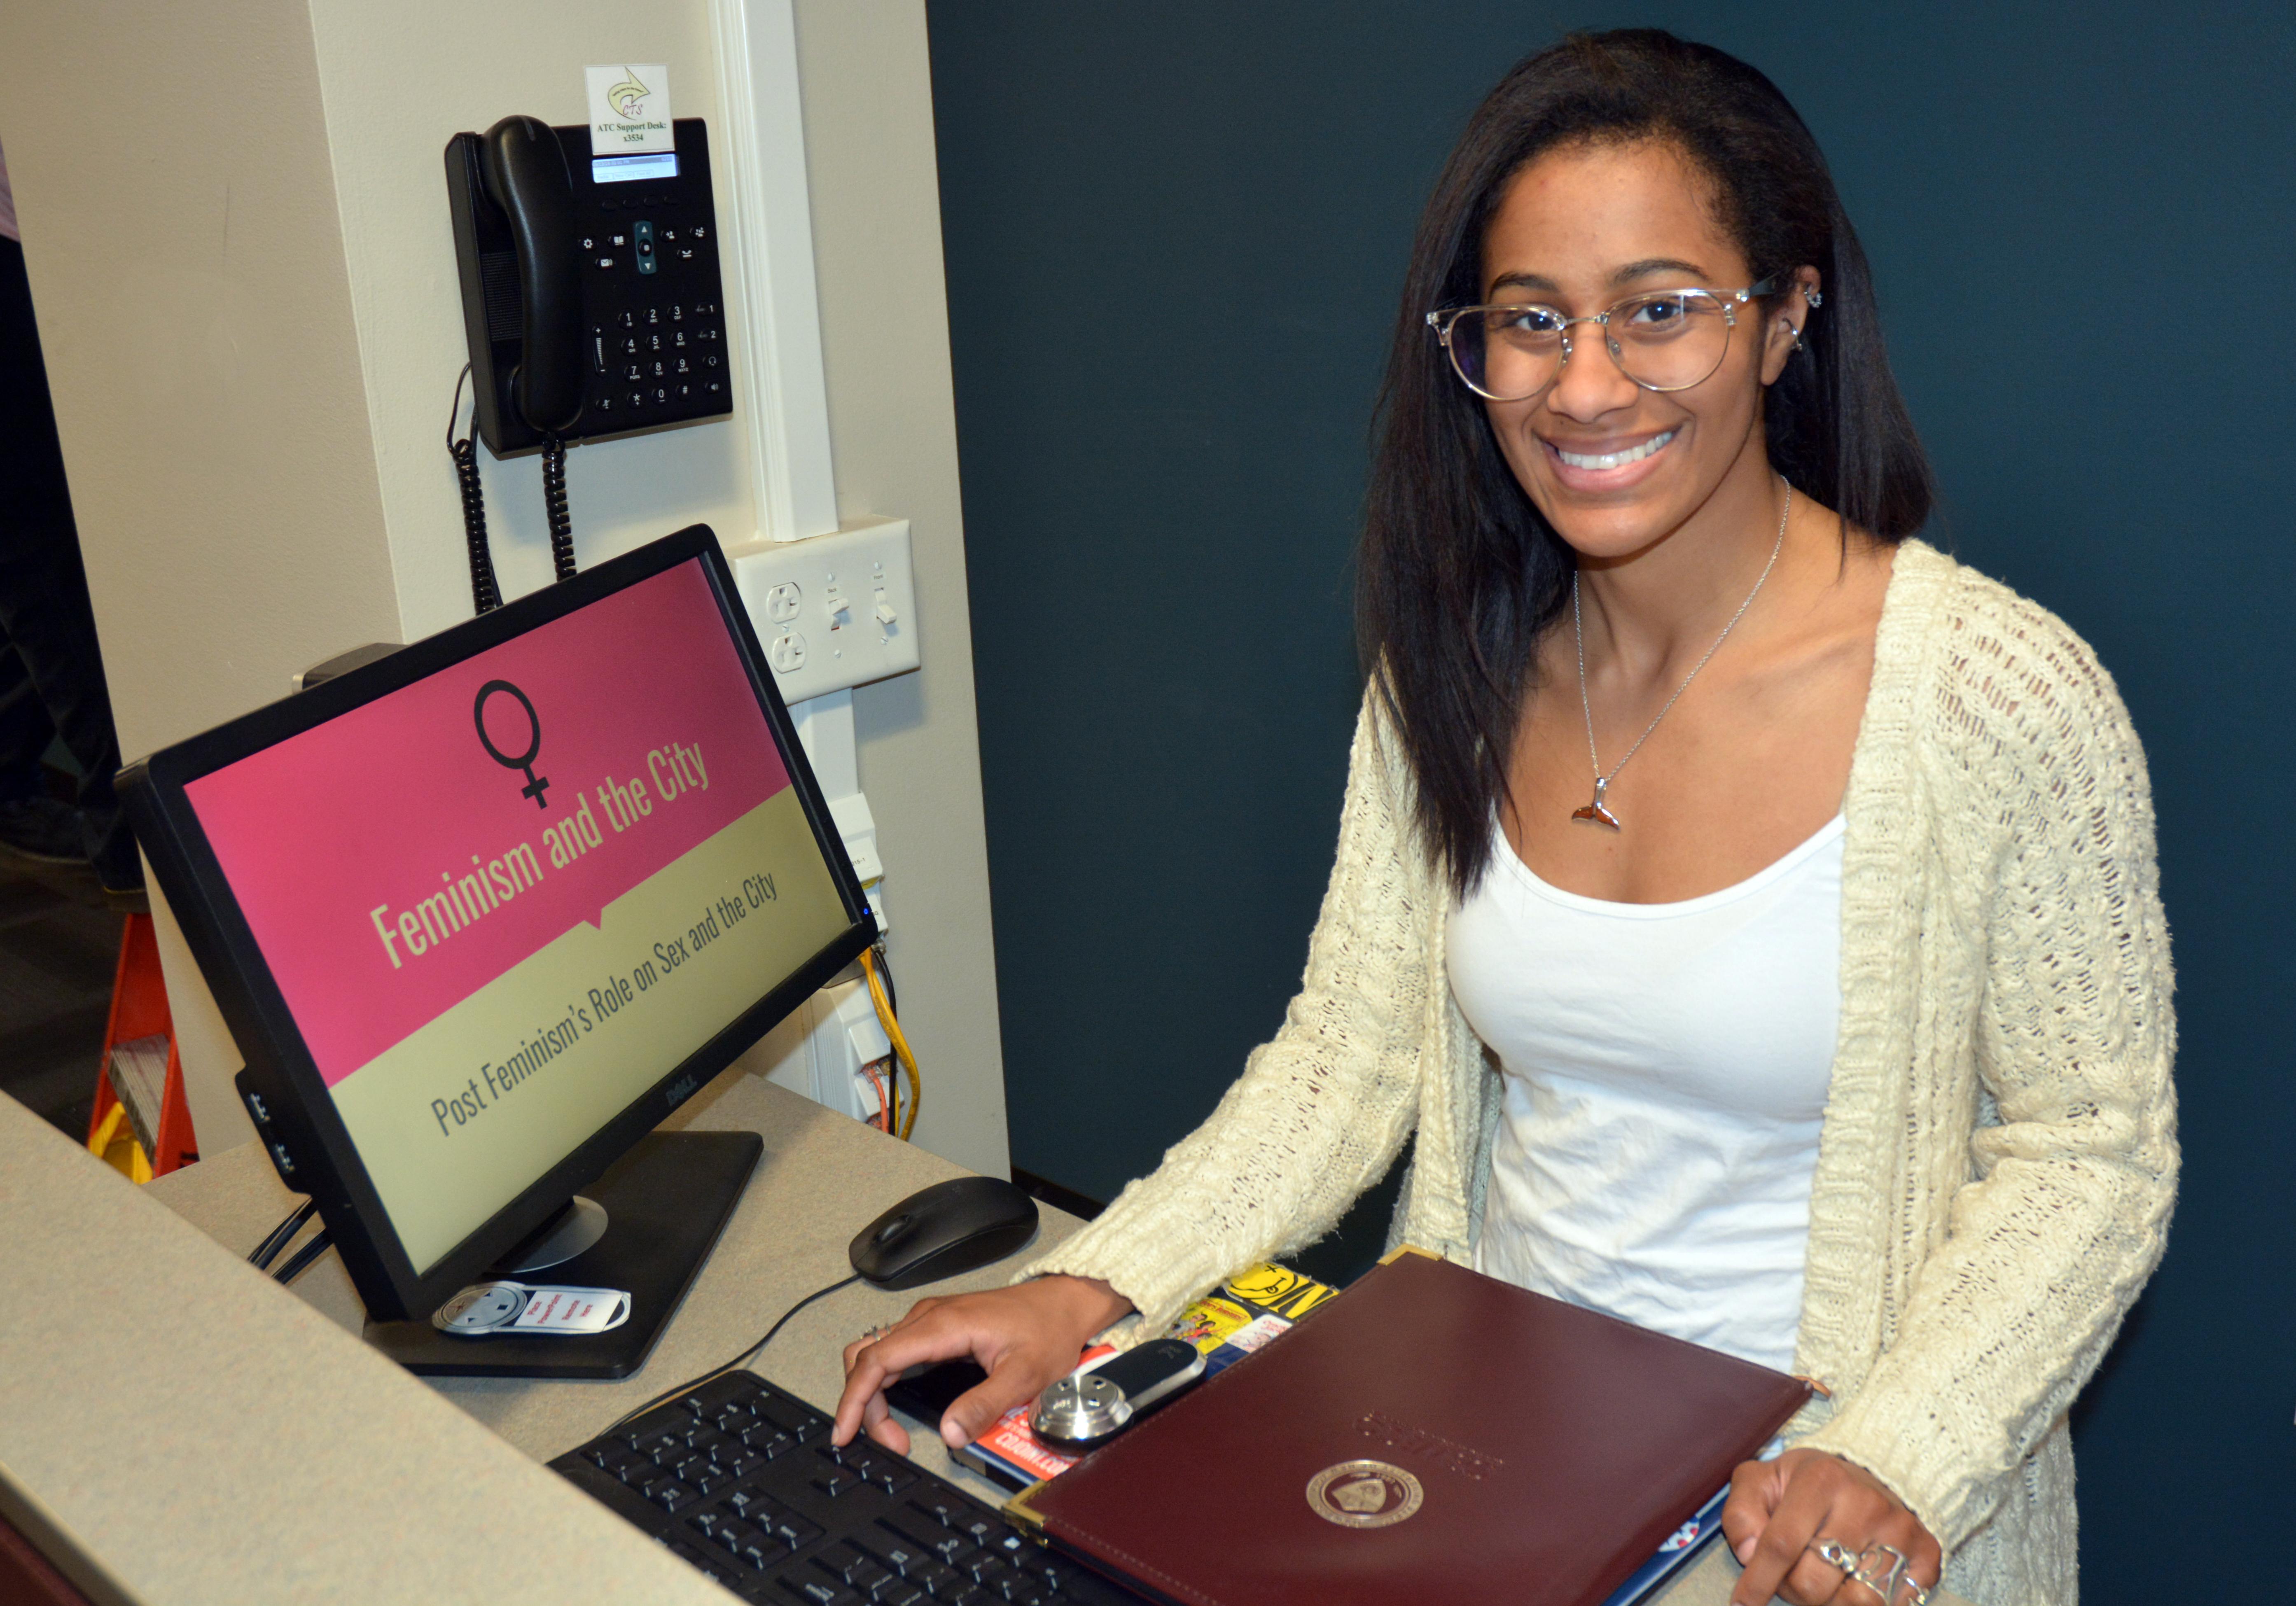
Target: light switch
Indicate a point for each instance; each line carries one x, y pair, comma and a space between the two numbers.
810, 600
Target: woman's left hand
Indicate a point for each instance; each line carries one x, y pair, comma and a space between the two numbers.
1777, 1509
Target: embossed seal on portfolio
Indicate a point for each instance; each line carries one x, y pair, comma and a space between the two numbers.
1364, 1494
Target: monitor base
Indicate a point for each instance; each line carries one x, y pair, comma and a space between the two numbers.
581, 1223
668, 1199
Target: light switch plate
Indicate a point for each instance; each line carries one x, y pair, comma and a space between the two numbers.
819, 606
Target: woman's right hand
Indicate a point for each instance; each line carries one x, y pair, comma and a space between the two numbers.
1024, 1338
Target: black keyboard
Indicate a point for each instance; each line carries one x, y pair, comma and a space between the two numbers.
740, 1479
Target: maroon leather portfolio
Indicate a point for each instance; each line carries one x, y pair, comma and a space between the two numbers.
1431, 1435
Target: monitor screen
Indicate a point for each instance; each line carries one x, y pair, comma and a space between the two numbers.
502, 901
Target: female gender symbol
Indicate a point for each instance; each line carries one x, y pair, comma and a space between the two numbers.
535, 785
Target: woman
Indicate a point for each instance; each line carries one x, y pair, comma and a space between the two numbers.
1753, 913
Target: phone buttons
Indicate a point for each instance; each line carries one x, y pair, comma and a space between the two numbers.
627, 321
605, 262
637, 398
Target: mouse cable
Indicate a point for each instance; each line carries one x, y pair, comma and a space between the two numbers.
900, 1044
279, 1237
717, 1372
301, 1259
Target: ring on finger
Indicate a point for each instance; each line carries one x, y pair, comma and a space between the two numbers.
1833, 1552
870, 1335
1884, 1581
1881, 1568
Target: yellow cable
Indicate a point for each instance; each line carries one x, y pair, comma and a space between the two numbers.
900, 1044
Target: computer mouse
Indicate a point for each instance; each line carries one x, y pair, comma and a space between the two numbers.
944, 1230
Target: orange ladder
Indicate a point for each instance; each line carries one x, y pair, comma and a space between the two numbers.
139, 1009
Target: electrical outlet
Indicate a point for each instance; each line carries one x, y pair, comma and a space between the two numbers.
834, 610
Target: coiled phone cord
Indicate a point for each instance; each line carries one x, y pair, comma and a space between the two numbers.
553, 500
486, 596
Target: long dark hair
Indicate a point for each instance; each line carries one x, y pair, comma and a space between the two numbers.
1459, 575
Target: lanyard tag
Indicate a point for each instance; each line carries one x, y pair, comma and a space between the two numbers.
503, 1307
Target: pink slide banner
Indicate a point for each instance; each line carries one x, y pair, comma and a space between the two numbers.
394, 861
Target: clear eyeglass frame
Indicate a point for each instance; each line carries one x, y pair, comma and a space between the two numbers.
1444, 322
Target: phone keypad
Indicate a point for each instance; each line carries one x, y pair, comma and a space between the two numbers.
660, 362
651, 289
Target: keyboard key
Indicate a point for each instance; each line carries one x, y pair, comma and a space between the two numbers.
844, 1559
902, 1553
962, 1594
933, 1576
835, 1481
985, 1567
821, 1592
670, 1495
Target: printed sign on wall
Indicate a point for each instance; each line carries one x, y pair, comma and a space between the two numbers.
629, 109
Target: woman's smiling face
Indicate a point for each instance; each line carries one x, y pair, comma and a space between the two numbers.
1615, 468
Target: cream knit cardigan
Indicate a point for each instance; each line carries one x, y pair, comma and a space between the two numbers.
1998, 1155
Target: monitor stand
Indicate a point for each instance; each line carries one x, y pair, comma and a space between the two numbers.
661, 1207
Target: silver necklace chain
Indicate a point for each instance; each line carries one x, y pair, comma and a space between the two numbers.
1599, 809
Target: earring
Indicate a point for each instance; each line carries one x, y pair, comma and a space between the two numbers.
1816, 298
1798, 346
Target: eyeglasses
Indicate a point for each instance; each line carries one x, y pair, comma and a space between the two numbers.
1667, 339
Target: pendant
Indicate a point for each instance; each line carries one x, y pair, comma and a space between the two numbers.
1596, 811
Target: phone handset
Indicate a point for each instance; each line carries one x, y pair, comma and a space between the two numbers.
522, 172
523, 167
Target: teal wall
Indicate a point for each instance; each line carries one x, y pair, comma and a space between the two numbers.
1175, 234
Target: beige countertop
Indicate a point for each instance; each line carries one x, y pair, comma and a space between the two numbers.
213, 1438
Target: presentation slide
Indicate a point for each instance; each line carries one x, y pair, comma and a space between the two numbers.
503, 901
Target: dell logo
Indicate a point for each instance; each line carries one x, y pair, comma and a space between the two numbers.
682, 1089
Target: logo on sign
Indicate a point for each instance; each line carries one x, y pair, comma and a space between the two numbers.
535, 785
628, 98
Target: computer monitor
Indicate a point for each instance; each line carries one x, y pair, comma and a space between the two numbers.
482, 913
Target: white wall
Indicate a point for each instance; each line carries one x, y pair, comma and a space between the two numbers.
892, 416
236, 224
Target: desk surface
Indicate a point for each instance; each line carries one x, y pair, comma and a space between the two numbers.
212, 1438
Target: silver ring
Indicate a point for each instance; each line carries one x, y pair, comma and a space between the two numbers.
870, 1335
1883, 1579
1833, 1552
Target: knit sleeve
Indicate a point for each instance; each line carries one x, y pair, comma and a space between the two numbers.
1319, 1112
2066, 1206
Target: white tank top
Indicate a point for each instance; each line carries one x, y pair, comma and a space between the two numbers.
1666, 1068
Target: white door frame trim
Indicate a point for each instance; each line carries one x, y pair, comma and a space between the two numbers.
781, 398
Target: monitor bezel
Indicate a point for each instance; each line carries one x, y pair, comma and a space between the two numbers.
280, 1067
